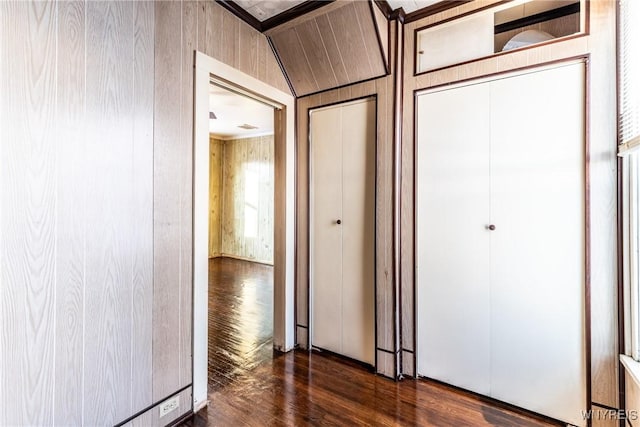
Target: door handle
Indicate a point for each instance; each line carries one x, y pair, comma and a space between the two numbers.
491, 227
338, 222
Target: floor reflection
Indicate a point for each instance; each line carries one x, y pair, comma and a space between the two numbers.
250, 384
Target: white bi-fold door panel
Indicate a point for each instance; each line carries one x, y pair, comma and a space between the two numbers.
342, 228
537, 249
452, 249
500, 226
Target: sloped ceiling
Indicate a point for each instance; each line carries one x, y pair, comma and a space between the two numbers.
336, 45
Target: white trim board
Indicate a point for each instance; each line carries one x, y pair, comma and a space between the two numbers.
207, 68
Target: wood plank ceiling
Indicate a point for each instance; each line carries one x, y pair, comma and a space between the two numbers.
336, 45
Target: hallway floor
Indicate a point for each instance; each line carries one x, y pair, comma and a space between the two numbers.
249, 384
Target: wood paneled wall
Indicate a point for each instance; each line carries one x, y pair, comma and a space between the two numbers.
216, 147
386, 337
95, 200
599, 44
333, 46
246, 171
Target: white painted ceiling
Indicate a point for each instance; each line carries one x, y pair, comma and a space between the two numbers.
411, 5
265, 9
233, 110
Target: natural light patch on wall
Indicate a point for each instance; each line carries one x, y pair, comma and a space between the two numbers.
241, 199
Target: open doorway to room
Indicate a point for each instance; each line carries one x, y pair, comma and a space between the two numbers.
241, 234
210, 71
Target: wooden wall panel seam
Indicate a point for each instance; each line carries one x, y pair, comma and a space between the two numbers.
142, 292
94, 204
167, 214
71, 208
362, 36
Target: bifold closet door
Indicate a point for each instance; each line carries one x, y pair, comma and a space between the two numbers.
452, 244
342, 234
500, 238
538, 246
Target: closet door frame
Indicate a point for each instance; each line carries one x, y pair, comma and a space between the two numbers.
374, 98
586, 193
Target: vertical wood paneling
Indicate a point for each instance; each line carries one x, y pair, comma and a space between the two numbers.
385, 323
302, 219
210, 28
95, 201
215, 197
603, 200
246, 163
280, 180
189, 45
109, 205
248, 56
605, 420
167, 199
383, 29
27, 227
71, 214
384, 216
222, 36
632, 398
142, 187
262, 51
230, 39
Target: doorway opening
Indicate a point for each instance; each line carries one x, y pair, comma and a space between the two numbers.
208, 71
241, 231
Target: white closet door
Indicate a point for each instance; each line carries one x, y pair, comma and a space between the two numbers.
326, 234
452, 252
358, 227
343, 144
537, 248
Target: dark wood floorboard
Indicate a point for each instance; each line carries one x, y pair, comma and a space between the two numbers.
251, 385
240, 318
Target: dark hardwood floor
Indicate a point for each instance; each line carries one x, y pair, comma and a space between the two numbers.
251, 385
240, 319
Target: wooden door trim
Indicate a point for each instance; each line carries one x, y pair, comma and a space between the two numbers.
373, 96
284, 211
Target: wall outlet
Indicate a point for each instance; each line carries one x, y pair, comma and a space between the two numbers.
169, 405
